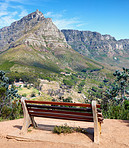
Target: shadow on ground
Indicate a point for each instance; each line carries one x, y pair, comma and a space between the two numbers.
126, 121
89, 131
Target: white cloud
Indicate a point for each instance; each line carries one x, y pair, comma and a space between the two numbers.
66, 23
18, 1
23, 13
6, 21
51, 14
15, 13
3, 6
62, 23
3, 13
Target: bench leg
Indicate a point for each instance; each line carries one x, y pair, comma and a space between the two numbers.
27, 120
99, 127
96, 123
33, 122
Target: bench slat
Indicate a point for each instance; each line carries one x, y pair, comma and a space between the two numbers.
60, 108
61, 116
58, 111
61, 103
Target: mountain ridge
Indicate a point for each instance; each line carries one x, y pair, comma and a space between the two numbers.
103, 48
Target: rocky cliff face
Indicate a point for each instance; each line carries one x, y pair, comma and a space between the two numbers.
97, 46
33, 29
34, 41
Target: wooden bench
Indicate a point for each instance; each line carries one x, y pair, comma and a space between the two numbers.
62, 110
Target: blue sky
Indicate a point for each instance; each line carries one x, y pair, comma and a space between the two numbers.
103, 16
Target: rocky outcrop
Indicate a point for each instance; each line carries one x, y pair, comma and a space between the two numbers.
93, 44
33, 29
47, 35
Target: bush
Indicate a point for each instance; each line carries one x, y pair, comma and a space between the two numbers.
13, 112
68, 82
80, 86
126, 104
66, 129
69, 99
24, 95
8, 97
116, 112
33, 94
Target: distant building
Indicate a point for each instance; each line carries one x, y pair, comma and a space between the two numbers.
66, 74
18, 84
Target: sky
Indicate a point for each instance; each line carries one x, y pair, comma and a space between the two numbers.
103, 16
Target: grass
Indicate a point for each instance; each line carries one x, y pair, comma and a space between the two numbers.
28, 92
93, 81
65, 129
44, 97
6, 65
29, 130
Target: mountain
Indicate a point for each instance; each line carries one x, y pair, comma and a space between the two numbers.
35, 44
102, 48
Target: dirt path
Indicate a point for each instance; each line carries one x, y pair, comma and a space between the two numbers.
115, 134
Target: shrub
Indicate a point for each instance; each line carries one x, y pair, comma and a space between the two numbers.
69, 99
7, 98
114, 111
12, 112
126, 104
68, 82
80, 86
24, 95
66, 129
33, 94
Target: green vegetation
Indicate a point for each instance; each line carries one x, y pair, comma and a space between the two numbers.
95, 93
115, 110
70, 83
69, 99
81, 85
9, 108
65, 129
110, 91
28, 91
6, 65
112, 96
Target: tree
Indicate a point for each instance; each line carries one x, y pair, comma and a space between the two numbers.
7, 95
119, 86
114, 104
122, 80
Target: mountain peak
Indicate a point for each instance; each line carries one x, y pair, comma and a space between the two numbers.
34, 29
37, 15
34, 17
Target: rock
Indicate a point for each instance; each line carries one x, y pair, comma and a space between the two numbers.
93, 44
33, 29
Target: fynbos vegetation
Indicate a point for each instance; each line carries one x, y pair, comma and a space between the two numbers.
9, 108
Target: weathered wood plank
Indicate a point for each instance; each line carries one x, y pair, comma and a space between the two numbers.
59, 111
61, 103
61, 117
96, 126
59, 108
27, 120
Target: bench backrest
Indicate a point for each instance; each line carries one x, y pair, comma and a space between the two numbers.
62, 110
